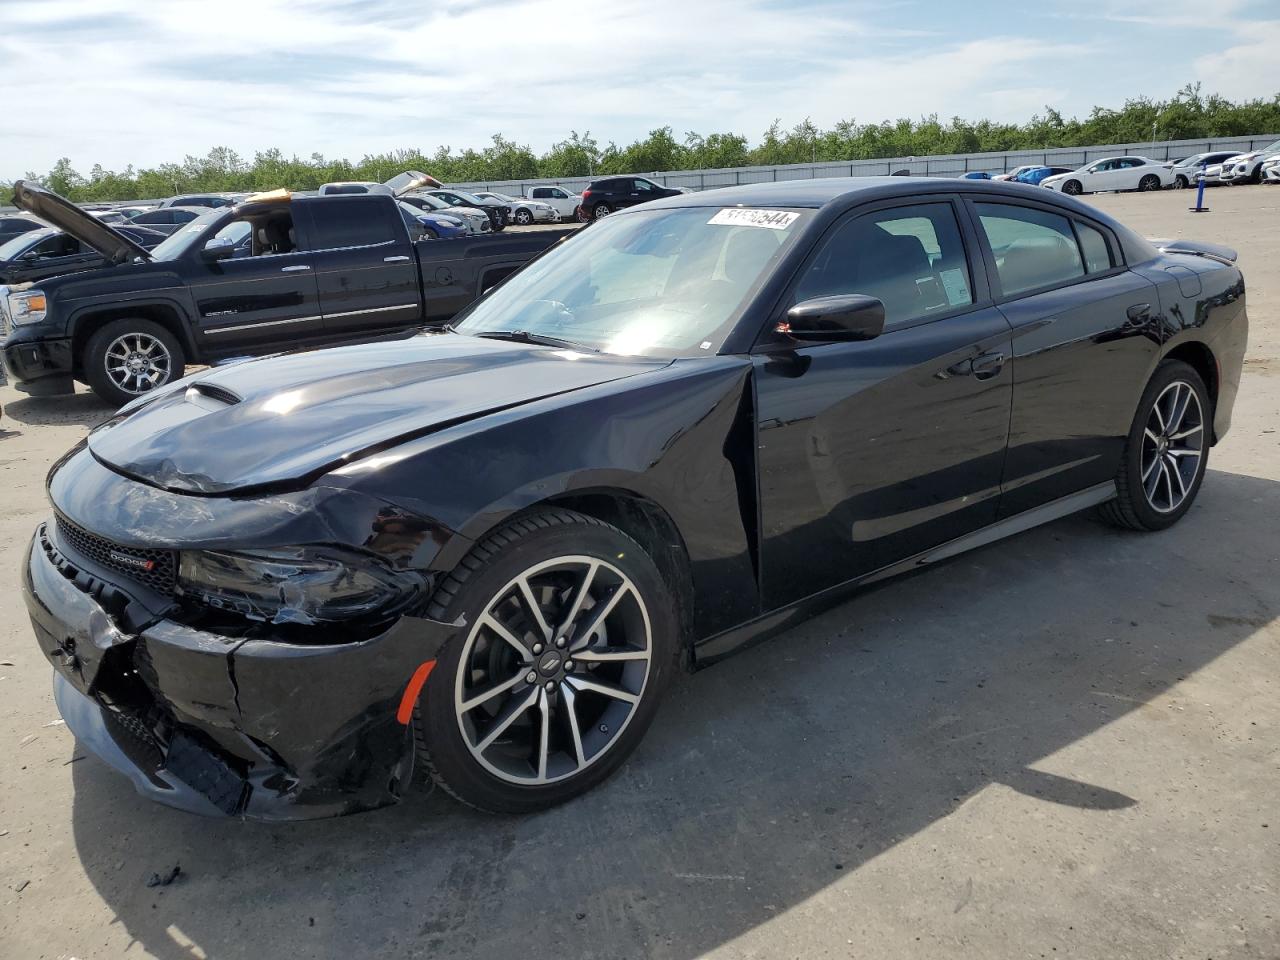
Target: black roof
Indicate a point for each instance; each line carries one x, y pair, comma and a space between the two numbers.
819, 193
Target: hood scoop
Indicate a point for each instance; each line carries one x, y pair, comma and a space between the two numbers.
211, 396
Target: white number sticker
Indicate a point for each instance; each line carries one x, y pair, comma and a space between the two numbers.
743, 217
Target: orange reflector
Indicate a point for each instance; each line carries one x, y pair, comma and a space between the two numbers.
405, 713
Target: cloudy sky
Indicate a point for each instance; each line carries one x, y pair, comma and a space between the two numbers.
145, 81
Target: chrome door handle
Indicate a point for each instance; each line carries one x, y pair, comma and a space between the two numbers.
395, 259
294, 269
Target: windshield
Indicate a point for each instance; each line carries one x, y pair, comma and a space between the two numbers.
1270, 148
10, 250
435, 203
180, 241
659, 283
468, 197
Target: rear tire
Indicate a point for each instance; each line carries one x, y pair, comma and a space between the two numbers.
126, 359
524, 217
1072, 187
1149, 182
1166, 453
502, 742
600, 210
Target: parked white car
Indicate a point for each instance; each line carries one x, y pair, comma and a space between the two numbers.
523, 211
1247, 167
1113, 173
1212, 174
1271, 169
566, 202
1186, 171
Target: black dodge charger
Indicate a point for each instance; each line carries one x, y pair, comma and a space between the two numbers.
285, 587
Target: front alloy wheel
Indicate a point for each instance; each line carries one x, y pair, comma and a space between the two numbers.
127, 358
1072, 187
554, 668
571, 639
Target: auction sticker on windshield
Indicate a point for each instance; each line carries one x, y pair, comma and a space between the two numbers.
743, 217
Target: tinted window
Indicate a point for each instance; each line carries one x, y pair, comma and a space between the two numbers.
539, 192
911, 258
352, 223
58, 245
644, 186
1032, 248
1093, 244
183, 216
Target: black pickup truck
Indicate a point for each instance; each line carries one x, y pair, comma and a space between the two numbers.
319, 271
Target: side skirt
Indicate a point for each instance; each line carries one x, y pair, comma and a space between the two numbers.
713, 648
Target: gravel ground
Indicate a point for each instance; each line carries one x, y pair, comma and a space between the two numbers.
1061, 745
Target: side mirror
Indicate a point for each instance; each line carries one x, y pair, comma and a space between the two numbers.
845, 318
219, 248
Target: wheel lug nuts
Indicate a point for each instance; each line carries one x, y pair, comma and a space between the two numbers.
568, 666
561, 642
550, 685
531, 677
537, 649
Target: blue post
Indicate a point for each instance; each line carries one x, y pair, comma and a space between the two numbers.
1200, 207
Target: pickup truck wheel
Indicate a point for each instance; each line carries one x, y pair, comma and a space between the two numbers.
572, 638
524, 217
127, 358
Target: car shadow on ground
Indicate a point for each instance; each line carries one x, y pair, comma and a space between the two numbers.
84, 409
765, 778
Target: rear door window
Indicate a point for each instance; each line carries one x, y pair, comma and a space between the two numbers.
1032, 248
355, 222
911, 258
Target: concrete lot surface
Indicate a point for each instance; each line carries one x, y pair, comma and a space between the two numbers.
1063, 745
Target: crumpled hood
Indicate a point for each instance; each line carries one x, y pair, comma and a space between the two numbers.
280, 421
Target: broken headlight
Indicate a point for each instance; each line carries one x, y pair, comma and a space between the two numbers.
294, 585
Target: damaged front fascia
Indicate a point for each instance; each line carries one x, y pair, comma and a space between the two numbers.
316, 724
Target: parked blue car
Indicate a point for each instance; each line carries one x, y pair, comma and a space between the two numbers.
424, 224
976, 175
1038, 174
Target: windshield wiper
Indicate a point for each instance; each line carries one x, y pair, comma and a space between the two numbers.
524, 336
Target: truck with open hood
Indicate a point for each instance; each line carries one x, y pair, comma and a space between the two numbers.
317, 271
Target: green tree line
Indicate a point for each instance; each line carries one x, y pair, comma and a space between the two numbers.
1189, 115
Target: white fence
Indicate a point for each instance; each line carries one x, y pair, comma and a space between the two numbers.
953, 165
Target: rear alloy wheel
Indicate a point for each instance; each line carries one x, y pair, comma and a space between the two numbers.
1166, 454
600, 210
524, 217
1149, 182
128, 358
571, 641
1072, 187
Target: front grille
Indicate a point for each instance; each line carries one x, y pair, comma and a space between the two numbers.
153, 568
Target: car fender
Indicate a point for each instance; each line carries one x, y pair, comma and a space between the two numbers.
83, 320
681, 438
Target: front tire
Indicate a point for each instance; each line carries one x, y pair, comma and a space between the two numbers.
1166, 453
1181, 182
127, 358
572, 638
1072, 187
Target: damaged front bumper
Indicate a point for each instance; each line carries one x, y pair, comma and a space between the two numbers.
221, 725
